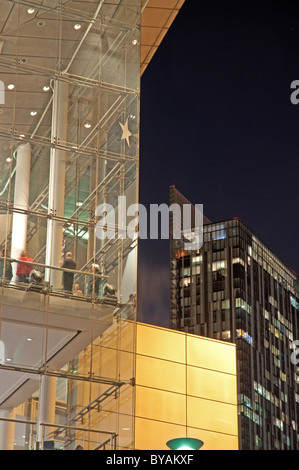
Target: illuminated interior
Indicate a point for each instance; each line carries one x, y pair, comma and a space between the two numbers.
69, 151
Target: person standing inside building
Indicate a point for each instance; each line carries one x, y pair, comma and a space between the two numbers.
94, 281
5, 267
68, 278
23, 270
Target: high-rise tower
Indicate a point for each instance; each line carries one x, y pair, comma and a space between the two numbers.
235, 289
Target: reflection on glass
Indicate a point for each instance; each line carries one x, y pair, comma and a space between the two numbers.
72, 79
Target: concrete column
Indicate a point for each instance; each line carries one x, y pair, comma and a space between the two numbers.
21, 201
7, 429
57, 181
46, 408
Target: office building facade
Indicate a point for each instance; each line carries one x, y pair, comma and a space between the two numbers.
235, 289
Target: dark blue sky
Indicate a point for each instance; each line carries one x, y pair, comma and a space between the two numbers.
217, 121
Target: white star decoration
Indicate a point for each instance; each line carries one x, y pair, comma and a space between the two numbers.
126, 133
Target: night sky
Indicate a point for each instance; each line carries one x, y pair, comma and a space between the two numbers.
217, 121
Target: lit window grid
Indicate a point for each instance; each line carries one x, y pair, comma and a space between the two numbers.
191, 317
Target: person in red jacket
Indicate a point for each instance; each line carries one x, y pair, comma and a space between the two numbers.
23, 270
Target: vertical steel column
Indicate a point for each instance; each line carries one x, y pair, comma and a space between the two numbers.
92, 208
57, 181
120, 234
21, 201
46, 407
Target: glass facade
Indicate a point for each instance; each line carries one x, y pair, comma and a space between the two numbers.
235, 289
69, 152
149, 385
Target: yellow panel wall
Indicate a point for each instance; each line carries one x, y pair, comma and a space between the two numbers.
185, 385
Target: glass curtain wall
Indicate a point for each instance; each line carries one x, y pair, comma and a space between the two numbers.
69, 150
235, 289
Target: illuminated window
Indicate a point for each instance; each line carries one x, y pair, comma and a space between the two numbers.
238, 260
225, 304
240, 303
217, 265
218, 235
187, 271
226, 335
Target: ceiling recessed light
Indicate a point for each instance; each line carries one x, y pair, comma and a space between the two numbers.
22, 135
46, 88
10, 86
29, 339
134, 42
30, 11
8, 359
77, 26
40, 24
8, 159
33, 113
87, 125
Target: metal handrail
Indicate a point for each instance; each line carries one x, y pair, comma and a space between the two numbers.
59, 268
111, 439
